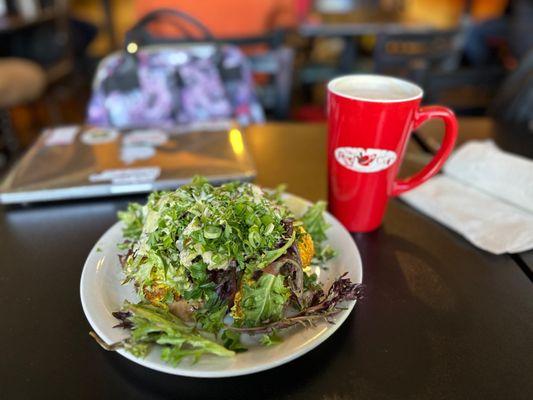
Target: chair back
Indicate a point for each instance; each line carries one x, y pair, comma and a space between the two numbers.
411, 55
514, 100
274, 62
275, 91
468, 91
271, 40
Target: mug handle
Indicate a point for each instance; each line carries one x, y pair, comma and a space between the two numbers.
450, 136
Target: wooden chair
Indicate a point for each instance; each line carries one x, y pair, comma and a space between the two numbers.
43, 38
21, 82
413, 55
514, 100
273, 61
275, 93
431, 59
468, 91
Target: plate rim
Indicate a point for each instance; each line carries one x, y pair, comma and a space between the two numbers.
176, 370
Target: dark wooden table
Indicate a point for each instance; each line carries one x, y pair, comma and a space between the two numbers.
441, 319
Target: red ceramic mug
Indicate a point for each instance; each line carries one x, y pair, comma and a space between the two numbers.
370, 119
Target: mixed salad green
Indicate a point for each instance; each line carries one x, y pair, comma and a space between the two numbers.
210, 263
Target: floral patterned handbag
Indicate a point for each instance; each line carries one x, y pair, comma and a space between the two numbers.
163, 82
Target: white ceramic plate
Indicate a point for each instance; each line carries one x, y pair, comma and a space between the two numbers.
101, 294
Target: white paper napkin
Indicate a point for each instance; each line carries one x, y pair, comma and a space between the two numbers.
482, 165
484, 195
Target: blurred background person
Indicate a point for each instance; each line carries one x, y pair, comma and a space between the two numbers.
232, 18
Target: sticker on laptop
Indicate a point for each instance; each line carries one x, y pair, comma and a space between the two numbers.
60, 136
364, 160
124, 176
145, 137
97, 135
130, 154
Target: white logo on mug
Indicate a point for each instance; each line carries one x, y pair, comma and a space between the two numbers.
364, 160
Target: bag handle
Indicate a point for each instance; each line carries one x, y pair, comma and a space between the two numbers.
139, 33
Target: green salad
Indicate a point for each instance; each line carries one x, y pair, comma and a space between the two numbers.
210, 263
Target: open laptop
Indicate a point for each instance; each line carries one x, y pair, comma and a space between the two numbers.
75, 162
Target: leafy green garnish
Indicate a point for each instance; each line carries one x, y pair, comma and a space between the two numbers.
232, 341
272, 255
314, 222
311, 282
264, 300
270, 339
133, 221
316, 226
211, 316
150, 324
276, 194
324, 253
